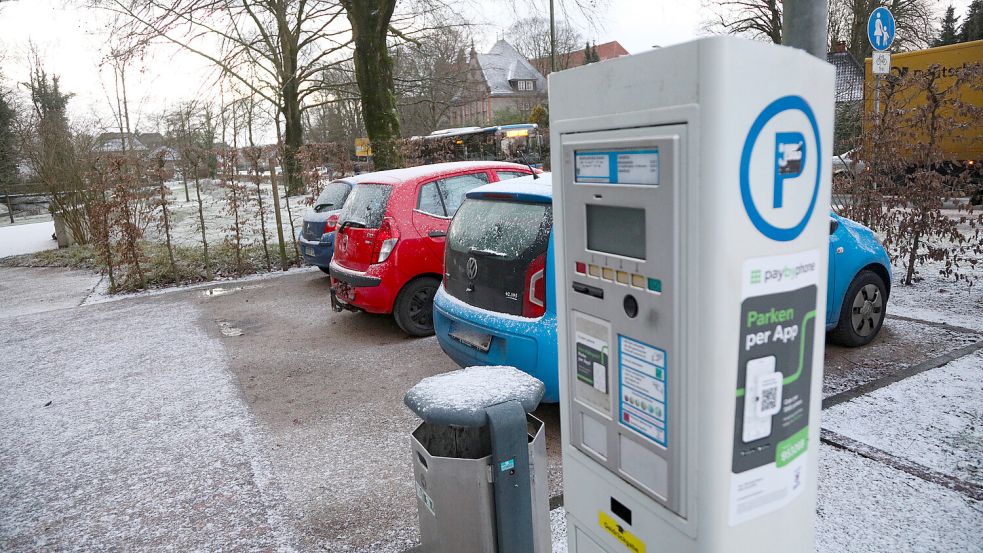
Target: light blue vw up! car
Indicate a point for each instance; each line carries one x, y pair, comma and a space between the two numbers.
497, 302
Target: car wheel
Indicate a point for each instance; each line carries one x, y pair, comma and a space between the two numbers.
325, 270
414, 306
863, 311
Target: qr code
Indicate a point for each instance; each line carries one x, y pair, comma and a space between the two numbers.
769, 398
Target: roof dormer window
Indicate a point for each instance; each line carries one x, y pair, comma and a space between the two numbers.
525, 85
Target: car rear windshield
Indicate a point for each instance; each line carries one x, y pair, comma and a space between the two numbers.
333, 196
502, 229
366, 206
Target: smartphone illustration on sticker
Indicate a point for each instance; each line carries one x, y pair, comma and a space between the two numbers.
762, 397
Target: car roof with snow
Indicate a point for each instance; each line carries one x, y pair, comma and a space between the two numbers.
406, 174
534, 188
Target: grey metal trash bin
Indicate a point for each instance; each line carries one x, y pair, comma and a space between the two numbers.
455, 469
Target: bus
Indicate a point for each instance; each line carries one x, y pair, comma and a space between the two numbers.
520, 143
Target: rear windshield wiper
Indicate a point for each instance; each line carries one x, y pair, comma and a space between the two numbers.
487, 253
353, 224
319, 207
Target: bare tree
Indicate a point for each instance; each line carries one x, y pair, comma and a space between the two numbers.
274, 48
762, 20
430, 74
189, 131
908, 182
163, 202
55, 153
531, 37
339, 120
758, 19
254, 157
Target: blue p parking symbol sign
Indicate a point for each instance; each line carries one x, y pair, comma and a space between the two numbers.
780, 209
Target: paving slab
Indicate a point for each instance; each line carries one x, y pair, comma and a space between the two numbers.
33, 290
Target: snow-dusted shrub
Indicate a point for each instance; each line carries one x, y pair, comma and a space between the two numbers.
905, 184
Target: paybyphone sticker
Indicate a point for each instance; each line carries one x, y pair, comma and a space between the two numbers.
774, 376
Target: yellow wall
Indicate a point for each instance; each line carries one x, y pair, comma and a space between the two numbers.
969, 144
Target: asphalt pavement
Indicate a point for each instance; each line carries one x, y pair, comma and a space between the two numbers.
248, 415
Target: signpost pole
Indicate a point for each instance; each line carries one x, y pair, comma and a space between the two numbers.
877, 99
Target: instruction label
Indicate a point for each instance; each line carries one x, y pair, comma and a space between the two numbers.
642, 389
592, 362
617, 166
771, 428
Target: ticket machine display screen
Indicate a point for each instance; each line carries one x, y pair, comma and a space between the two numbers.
616, 230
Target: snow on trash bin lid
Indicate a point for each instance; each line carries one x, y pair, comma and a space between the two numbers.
460, 397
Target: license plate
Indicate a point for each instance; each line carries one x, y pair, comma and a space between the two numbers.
478, 340
309, 250
344, 293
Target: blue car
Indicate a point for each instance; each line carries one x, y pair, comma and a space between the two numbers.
316, 237
497, 302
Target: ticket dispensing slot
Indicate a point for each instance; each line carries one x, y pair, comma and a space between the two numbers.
624, 386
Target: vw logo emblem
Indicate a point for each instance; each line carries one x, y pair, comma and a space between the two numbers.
472, 268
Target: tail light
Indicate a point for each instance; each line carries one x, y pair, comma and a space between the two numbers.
534, 296
385, 240
331, 224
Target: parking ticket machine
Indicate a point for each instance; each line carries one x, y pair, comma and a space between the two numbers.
691, 189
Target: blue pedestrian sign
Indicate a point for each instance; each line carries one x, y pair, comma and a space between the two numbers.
880, 29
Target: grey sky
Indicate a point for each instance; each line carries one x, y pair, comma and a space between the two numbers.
72, 42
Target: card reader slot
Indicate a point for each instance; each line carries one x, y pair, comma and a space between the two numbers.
589, 290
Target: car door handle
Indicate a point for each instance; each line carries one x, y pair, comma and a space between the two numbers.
436, 234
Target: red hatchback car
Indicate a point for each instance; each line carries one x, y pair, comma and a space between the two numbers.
389, 247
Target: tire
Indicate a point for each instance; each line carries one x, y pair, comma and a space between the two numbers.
863, 311
413, 310
324, 270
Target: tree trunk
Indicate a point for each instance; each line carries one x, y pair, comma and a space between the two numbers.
293, 138
912, 257
167, 230
277, 215
201, 222
374, 73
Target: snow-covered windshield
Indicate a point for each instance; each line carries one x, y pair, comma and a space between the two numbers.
332, 197
499, 229
367, 205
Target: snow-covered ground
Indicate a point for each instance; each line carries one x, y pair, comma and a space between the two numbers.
139, 440
185, 228
939, 299
865, 506
27, 238
934, 418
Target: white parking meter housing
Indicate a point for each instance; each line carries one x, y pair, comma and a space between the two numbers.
691, 190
